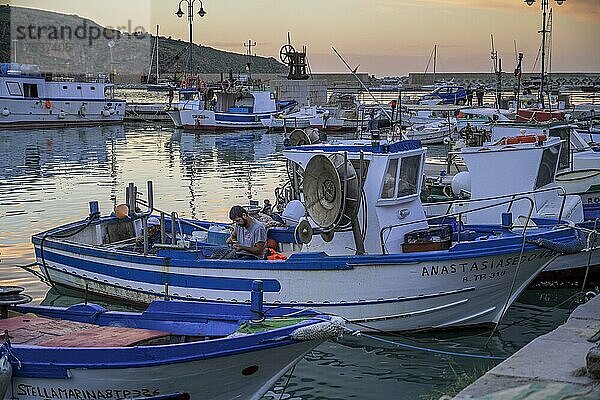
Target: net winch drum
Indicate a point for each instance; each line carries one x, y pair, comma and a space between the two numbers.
331, 192
303, 137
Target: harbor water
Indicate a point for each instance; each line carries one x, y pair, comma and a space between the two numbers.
48, 177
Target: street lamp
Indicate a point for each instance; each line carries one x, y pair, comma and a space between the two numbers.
545, 6
201, 13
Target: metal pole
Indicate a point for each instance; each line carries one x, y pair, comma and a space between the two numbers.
544, 8
190, 19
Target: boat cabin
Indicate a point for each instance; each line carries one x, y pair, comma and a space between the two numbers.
360, 191
513, 170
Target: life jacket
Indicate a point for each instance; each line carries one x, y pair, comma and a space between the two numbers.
273, 255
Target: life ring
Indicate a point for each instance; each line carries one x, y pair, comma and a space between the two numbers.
225, 85
48, 104
201, 85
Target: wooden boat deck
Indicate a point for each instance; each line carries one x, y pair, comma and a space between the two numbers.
46, 332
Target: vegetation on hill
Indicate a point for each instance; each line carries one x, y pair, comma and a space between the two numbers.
55, 48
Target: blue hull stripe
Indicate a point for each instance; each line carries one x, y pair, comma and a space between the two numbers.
160, 278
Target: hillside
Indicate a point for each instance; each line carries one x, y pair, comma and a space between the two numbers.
52, 45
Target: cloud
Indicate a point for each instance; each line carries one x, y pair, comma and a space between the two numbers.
583, 10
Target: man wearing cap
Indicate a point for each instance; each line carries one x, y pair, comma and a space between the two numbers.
249, 235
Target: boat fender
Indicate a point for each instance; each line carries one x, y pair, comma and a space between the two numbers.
48, 104
5, 372
332, 329
6, 112
83, 110
571, 247
105, 113
62, 114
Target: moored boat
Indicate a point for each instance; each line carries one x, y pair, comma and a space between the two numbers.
172, 350
359, 246
30, 100
201, 108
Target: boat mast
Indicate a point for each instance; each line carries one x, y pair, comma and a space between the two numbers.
157, 74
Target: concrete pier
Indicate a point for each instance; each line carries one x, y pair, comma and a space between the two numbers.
561, 364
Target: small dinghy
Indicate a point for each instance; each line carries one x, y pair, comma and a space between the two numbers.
172, 350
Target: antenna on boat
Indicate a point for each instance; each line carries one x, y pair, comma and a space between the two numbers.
362, 84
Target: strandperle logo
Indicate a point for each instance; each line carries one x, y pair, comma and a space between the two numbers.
82, 31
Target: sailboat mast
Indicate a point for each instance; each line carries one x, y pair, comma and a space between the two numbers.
157, 73
434, 60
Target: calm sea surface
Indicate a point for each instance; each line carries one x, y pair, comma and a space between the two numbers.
47, 178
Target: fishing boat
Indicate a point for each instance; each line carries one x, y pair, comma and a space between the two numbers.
356, 238
579, 164
294, 120
202, 108
29, 99
173, 350
525, 166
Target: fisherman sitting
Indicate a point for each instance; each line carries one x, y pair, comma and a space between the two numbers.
248, 236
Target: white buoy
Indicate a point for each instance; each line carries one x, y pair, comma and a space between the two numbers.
6, 112
461, 183
105, 113
62, 114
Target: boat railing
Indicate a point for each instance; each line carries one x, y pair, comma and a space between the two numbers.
526, 193
460, 214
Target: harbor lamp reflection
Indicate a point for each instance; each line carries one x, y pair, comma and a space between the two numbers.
201, 13
545, 6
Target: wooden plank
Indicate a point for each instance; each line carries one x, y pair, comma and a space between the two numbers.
104, 336
39, 331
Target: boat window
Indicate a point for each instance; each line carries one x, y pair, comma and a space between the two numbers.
93, 88
389, 180
78, 87
409, 176
547, 166
65, 87
14, 89
30, 90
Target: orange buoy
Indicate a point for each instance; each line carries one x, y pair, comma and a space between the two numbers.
48, 104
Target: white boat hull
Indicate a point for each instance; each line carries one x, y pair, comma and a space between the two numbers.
219, 378
396, 297
38, 113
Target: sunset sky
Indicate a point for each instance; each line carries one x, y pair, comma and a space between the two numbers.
386, 37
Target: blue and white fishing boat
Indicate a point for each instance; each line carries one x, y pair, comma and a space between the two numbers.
173, 350
524, 166
200, 108
579, 164
30, 100
357, 243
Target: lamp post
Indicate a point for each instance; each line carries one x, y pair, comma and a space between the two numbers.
201, 13
545, 5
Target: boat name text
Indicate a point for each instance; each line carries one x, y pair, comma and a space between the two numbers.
82, 394
490, 264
